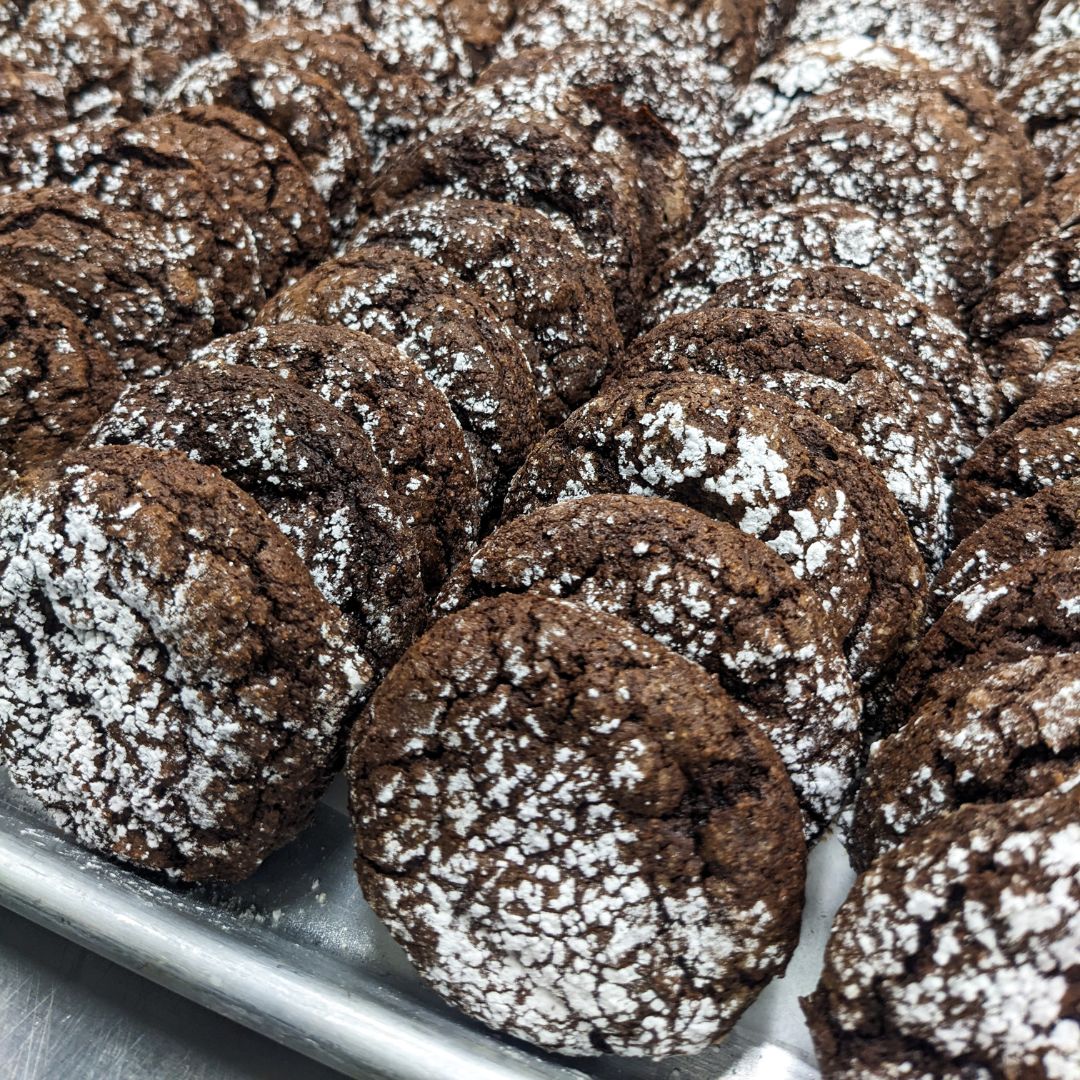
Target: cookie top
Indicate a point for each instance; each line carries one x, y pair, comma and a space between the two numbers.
532, 273
143, 287
1058, 21
956, 953
533, 775
177, 688
710, 592
309, 467
1037, 446
976, 36
1032, 307
29, 102
1056, 209
301, 106
814, 235
1009, 732
458, 340
758, 461
942, 356
1063, 368
55, 380
1047, 521
412, 429
833, 373
1031, 609
530, 160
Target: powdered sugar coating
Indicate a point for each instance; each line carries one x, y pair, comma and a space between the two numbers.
574, 835
175, 688
960, 946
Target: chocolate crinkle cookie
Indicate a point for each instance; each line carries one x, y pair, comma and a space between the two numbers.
1031, 609
532, 273
833, 373
30, 101
760, 462
929, 352
531, 160
976, 36
1008, 732
1037, 446
1058, 21
1041, 523
815, 235
575, 835
144, 288
712, 594
313, 472
176, 688
301, 106
955, 956
455, 336
409, 421
119, 56
1029, 310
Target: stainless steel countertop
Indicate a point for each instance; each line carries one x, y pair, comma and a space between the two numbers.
67, 1014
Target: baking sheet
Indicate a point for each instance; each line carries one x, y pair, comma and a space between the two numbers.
297, 955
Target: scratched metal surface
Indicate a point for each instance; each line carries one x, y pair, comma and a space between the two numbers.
297, 956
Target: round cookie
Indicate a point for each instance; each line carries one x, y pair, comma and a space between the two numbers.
1032, 307
144, 289
302, 107
955, 955
120, 55
176, 688
535, 162
415, 435
55, 381
458, 340
1009, 732
389, 106
1037, 446
929, 352
833, 373
813, 236
976, 36
712, 594
574, 834
310, 468
29, 102
1048, 521
532, 273
758, 461
1031, 609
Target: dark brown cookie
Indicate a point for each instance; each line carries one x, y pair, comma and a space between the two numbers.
1056, 209
539, 163
812, 236
389, 106
55, 381
1042, 93
1009, 732
758, 461
532, 273
1037, 446
1030, 609
30, 101
310, 468
830, 371
176, 689
301, 106
120, 55
1048, 521
1064, 366
1030, 309
976, 36
955, 955
144, 169
408, 420
929, 352
575, 835
710, 592
144, 289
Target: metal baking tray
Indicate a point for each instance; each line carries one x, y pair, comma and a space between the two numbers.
296, 954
